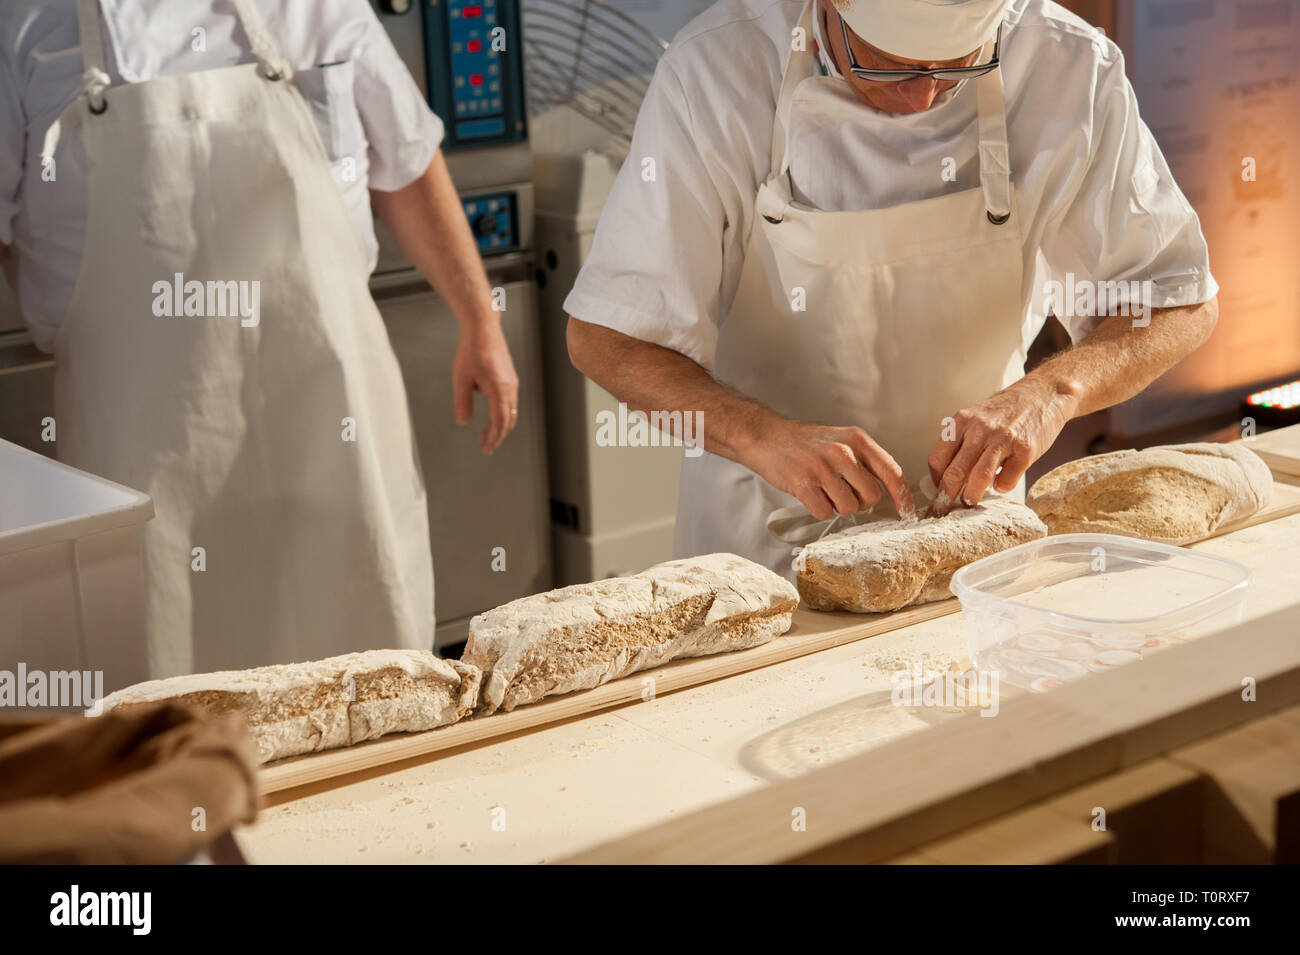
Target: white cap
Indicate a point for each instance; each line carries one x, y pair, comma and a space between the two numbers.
924, 30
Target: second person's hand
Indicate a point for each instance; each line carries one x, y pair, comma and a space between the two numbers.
483, 364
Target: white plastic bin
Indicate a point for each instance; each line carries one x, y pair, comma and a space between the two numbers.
1067, 605
71, 578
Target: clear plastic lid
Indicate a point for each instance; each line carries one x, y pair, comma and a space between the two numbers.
1061, 607
1100, 580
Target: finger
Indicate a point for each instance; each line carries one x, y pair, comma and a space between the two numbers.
510, 400
841, 494
506, 409
490, 436
501, 407
864, 485
943, 452
1015, 466
984, 472
462, 397
814, 498
958, 470
884, 469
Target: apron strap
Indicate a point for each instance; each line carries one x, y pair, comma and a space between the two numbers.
780, 152
273, 65
94, 80
994, 153
95, 77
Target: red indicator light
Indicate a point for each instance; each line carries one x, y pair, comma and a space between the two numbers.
471, 13
474, 46
476, 79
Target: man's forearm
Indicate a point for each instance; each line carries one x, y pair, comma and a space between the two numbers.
428, 222
1118, 359
647, 377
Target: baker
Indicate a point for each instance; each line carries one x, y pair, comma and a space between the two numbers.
835, 234
222, 146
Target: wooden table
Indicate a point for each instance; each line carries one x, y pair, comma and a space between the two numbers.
1280, 450
548, 793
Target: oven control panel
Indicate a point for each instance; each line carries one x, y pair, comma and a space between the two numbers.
473, 58
494, 220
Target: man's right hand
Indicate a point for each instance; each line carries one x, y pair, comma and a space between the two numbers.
828, 469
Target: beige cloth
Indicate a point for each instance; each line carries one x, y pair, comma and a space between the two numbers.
123, 789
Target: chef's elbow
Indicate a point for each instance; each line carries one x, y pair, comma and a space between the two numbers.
1210, 311
1200, 325
581, 339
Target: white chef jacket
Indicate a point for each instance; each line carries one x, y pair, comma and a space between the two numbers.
1094, 195
376, 127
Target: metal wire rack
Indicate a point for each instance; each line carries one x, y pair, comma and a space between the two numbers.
588, 56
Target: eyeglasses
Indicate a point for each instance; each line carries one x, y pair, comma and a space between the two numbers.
953, 74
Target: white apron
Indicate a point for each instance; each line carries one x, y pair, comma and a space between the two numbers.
312, 529
912, 313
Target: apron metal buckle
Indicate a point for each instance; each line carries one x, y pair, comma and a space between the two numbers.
772, 219
99, 109
998, 220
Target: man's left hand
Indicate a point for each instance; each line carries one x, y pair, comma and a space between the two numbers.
993, 443
483, 364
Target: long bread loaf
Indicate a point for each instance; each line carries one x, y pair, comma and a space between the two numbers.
1173, 494
885, 565
304, 707
582, 636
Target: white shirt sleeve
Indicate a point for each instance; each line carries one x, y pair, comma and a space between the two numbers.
1128, 221
403, 132
668, 244
13, 141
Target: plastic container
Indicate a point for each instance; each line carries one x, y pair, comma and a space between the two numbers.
71, 578
1064, 606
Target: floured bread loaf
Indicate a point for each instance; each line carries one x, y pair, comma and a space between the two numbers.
304, 707
886, 565
1174, 494
582, 636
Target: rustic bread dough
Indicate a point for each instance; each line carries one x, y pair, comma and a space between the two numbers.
579, 637
886, 565
1173, 494
305, 707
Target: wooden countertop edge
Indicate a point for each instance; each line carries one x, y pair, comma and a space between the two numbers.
927, 786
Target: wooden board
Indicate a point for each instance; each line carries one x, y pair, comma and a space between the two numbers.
812, 632
1280, 449
1153, 810
1284, 502
1252, 810
961, 773
1230, 799
1032, 836
1152, 817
